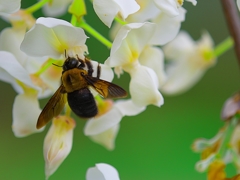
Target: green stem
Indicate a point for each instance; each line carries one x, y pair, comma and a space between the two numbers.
120, 21
36, 6
223, 47
227, 137
74, 20
95, 34
45, 67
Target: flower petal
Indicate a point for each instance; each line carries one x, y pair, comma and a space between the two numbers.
190, 64
238, 4
108, 9
127, 7
167, 27
106, 71
194, 2
177, 47
107, 138
148, 10
153, 58
144, 87
181, 77
9, 64
9, 6
50, 37
10, 40
56, 7
102, 171
203, 165
128, 108
25, 114
127, 45
169, 7
100, 124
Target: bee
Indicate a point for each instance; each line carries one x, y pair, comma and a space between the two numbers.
74, 88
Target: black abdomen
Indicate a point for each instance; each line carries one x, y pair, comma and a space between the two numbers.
82, 103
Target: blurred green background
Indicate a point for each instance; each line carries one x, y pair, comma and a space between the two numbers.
154, 145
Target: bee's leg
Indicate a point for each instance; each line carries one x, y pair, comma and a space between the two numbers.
98, 71
82, 63
89, 66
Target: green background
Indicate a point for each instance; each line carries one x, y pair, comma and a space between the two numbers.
154, 145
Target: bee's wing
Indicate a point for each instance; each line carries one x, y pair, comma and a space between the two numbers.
105, 88
53, 107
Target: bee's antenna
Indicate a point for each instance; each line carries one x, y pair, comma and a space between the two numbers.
56, 65
65, 52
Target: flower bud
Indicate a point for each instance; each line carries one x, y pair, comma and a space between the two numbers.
231, 107
58, 143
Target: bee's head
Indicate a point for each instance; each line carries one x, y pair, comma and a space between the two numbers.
70, 63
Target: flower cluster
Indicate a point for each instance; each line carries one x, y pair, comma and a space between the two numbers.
222, 149
144, 34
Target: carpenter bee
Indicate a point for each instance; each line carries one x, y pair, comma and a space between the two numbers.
74, 88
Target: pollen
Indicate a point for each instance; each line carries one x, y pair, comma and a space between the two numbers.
63, 123
180, 2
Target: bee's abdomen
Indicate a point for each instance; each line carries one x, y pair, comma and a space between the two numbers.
82, 103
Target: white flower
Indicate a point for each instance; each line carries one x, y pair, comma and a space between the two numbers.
189, 62
11, 71
103, 129
19, 70
20, 20
107, 10
171, 7
9, 6
148, 10
52, 37
202, 165
153, 58
106, 138
56, 7
127, 47
58, 143
25, 114
102, 171
167, 27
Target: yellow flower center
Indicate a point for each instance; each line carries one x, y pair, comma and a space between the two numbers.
27, 90
180, 2
134, 56
63, 124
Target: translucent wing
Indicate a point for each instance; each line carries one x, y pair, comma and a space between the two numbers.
105, 88
53, 107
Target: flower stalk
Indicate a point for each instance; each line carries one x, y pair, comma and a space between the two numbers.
228, 134
49, 63
36, 6
94, 33
223, 47
117, 19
